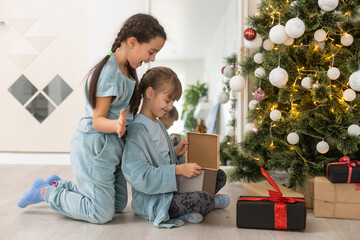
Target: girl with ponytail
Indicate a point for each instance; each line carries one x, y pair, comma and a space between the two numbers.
97, 146
150, 163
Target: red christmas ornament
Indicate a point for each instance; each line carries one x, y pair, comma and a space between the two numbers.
222, 69
249, 34
259, 94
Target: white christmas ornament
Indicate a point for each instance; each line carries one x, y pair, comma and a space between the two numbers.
275, 115
289, 41
293, 138
249, 127
354, 130
295, 27
349, 95
306, 82
346, 39
354, 81
268, 45
237, 83
260, 72
229, 71
328, 5
333, 73
223, 97
278, 77
293, 4
258, 58
277, 34
255, 43
253, 104
320, 35
322, 147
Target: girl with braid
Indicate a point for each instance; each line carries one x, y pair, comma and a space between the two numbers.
98, 143
150, 163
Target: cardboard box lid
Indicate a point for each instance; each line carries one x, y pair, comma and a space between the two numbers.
203, 149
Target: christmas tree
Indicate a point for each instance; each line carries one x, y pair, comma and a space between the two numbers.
305, 60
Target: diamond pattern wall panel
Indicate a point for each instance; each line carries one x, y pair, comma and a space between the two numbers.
22, 89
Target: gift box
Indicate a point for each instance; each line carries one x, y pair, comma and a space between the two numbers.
203, 149
308, 192
336, 200
261, 189
272, 210
344, 171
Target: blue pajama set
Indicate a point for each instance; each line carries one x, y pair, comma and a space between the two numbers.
149, 166
100, 188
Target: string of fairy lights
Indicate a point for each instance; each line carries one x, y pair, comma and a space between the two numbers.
343, 93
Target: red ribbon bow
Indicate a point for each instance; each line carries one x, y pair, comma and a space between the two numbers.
280, 211
345, 160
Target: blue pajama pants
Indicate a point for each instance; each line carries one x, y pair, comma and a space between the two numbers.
101, 187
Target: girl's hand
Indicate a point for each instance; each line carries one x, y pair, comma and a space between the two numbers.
121, 123
180, 148
188, 170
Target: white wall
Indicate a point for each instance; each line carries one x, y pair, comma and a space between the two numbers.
105, 20
224, 43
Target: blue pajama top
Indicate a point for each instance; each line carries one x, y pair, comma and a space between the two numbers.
112, 82
151, 175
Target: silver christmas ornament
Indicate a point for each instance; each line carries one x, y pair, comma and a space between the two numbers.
260, 72
258, 58
223, 97
293, 138
346, 39
354, 81
328, 5
322, 147
349, 95
278, 77
237, 83
295, 27
253, 104
277, 34
306, 82
229, 71
354, 130
320, 35
275, 115
268, 45
333, 73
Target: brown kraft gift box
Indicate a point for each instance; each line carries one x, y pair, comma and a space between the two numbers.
261, 189
308, 192
203, 149
336, 200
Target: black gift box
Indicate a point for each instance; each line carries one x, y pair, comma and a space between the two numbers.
260, 214
339, 173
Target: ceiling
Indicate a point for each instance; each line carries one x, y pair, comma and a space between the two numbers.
189, 24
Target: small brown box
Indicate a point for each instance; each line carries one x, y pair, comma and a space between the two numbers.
203, 149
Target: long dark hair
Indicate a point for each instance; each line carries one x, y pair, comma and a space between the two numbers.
144, 28
155, 78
